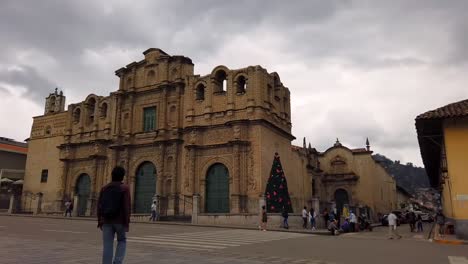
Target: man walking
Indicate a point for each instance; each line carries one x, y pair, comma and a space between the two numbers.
304, 217
114, 217
392, 226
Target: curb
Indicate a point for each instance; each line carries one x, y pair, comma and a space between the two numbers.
450, 242
322, 233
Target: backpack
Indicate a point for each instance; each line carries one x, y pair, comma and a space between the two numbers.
111, 202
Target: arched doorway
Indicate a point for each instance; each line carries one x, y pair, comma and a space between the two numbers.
145, 188
217, 189
83, 190
341, 198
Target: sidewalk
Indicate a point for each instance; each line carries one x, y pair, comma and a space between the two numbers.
447, 239
277, 229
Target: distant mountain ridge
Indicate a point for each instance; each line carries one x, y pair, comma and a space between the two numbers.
407, 176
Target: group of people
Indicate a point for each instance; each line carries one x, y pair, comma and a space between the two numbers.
309, 217
415, 221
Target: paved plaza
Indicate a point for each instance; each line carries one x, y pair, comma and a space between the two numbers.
44, 240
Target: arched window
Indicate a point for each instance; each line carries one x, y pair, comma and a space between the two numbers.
151, 77
76, 115
48, 130
200, 92
220, 84
90, 107
103, 110
241, 84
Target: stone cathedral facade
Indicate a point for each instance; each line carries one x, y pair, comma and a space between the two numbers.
177, 134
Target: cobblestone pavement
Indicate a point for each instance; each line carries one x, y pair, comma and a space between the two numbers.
39, 240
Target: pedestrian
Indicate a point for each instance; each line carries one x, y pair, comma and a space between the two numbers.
264, 219
412, 221
285, 215
312, 216
392, 226
333, 227
440, 220
114, 217
68, 208
304, 217
325, 217
154, 211
352, 221
420, 223
346, 226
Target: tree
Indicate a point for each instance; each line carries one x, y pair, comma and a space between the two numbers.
276, 193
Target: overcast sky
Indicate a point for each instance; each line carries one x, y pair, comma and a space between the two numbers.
355, 69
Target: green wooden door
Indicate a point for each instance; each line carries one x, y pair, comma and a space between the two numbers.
83, 190
341, 198
145, 188
217, 189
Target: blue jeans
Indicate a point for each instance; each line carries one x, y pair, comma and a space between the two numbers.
108, 233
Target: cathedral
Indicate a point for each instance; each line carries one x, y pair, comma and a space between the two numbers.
180, 135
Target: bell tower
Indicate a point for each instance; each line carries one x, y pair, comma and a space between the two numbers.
55, 103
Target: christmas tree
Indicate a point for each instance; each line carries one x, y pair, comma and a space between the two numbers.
276, 193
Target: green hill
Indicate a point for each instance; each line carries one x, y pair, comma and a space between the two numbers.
406, 175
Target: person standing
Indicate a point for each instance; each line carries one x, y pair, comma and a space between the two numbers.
392, 226
154, 211
304, 217
440, 220
312, 215
68, 208
264, 219
114, 217
325, 217
285, 215
420, 224
412, 221
352, 222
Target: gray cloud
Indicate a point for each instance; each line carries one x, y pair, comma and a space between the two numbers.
355, 69
27, 77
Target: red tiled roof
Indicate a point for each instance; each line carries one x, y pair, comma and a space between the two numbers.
457, 109
12, 148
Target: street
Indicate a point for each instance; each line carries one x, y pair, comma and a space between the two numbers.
44, 240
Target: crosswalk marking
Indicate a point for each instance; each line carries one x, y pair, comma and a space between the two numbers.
457, 260
212, 240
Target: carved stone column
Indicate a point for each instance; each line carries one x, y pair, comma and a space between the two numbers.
75, 206
195, 208
235, 197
